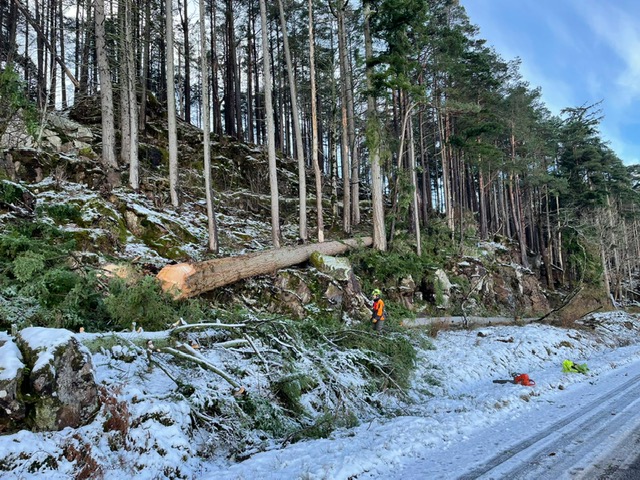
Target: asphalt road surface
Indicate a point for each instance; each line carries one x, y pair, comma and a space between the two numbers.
591, 432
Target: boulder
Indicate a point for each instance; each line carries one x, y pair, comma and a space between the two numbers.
345, 290
61, 383
11, 369
444, 288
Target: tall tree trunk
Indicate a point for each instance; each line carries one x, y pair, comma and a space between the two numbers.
344, 136
106, 91
483, 204
142, 119
548, 239
414, 184
63, 83
229, 91
314, 127
133, 98
373, 140
271, 149
53, 40
83, 87
125, 102
171, 107
212, 226
302, 182
187, 64
217, 111
251, 38
353, 146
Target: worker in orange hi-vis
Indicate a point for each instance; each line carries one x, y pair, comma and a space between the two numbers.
377, 310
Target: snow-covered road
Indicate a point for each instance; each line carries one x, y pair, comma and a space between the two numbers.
461, 425
586, 433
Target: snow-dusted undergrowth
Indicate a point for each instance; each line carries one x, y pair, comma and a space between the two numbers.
150, 428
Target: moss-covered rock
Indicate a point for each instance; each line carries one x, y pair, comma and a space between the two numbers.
16, 198
11, 371
62, 391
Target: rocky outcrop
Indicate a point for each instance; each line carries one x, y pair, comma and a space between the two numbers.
11, 369
60, 390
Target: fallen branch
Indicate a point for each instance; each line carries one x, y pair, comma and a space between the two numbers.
255, 349
232, 343
188, 353
198, 326
564, 304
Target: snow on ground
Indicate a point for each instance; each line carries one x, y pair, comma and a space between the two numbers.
452, 404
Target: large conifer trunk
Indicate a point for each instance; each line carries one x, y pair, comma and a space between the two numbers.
186, 280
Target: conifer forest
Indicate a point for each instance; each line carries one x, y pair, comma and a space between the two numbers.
399, 116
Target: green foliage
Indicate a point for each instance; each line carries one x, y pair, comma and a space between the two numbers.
28, 264
34, 266
324, 425
10, 193
62, 212
387, 268
13, 100
35, 269
290, 388
390, 356
143, 303
583, 257
266, 415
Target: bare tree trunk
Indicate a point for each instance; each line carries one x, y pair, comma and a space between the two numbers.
229, 94
206, 134
314, 127
483, 205
273, 173
250, 68
171, 107
83, 86
133, 98
414, 184
63, 83
344, 136
217, 112
302, 190
373, 141
123, 75
187, 63
353, 142
142, 118
106, 91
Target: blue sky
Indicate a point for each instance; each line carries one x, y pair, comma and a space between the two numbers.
579, 52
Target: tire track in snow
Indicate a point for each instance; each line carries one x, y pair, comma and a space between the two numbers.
563, 449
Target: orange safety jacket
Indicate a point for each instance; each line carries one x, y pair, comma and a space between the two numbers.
377, 311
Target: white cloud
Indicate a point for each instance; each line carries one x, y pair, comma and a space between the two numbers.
616, 26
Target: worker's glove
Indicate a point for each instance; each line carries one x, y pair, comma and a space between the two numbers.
375, 320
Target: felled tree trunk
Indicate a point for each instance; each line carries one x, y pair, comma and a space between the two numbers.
186, 280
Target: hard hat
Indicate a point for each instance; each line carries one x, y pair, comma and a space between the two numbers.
376, 292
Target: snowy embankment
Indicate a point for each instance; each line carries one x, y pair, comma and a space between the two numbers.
465, 402
452, 398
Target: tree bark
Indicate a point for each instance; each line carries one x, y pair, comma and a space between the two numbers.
171, 107
271, 148
212, 226
186, 280
314, 127
106, 91
302, 189
373, 141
